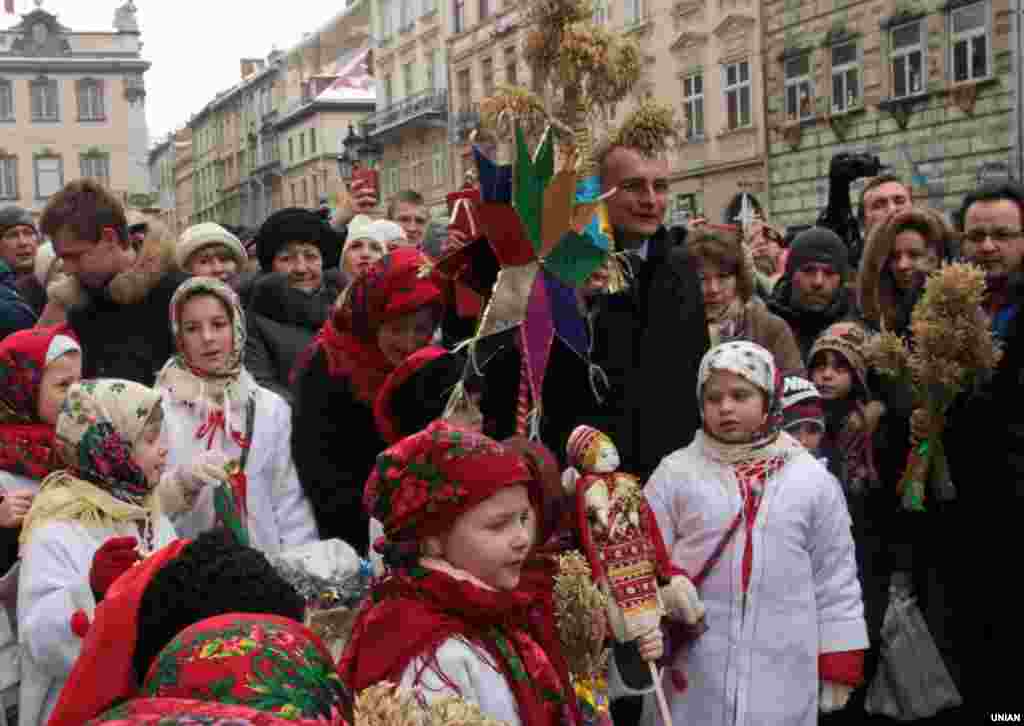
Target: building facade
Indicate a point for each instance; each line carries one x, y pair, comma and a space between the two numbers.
161, 181
72, 105
183, 180
929, 87
410, 124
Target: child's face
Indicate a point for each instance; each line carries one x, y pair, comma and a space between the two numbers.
149, 451
832, 375
491, 540
808, 433
734, 408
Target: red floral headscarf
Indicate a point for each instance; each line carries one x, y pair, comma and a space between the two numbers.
187, 712
423, 483
395, 285
26, 443
266, 662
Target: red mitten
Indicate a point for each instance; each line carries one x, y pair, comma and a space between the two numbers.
115, 557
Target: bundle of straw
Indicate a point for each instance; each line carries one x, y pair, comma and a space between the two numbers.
386, 704
952, 351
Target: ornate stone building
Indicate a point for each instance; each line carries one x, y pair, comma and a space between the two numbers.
927, 85
72, 105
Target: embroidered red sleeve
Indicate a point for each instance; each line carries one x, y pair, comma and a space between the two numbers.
846, 667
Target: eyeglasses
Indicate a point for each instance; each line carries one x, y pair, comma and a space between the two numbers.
996, 234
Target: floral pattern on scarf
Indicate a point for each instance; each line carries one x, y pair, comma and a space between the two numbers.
96, 432
26, 443
185, 712
426, 480
268, 663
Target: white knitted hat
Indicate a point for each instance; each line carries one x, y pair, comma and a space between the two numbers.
203, 235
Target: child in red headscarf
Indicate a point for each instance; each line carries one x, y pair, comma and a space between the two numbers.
386, 314
453, 617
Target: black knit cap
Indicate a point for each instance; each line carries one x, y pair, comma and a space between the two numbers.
14, 216
818, 244
295, 224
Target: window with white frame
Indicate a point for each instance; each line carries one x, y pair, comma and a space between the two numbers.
693, 105
600, 16
8, 177
634, 12
458, 16
431, 78
970, 43
96, 166
407, 80
45, 104
429, 6
6, 100
440, 165
49, 174
845, 77
90, 100
907, 60
799, 101
736, 87
405, 20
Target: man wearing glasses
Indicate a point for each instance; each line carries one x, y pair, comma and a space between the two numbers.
993, 240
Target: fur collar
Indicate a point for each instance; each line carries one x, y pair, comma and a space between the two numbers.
155, 259
272, 298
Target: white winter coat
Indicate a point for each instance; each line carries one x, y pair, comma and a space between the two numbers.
53, 585
760, 667
10, 658
280, 515
474, 674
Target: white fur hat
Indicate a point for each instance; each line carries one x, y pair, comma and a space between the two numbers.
203, 235
384, 230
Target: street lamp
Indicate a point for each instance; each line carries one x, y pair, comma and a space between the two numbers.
357, 151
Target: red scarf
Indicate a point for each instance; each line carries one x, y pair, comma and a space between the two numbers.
413, 614
349, 357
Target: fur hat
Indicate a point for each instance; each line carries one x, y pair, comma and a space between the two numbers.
295, 224
14, 216
205, 234
849, 340
801, 403
818, 244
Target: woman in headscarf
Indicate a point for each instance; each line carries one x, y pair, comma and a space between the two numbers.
36, 368
90, 522
225, 432
386, 314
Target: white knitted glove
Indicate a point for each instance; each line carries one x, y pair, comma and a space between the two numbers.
834, 696
682, 601
179, 488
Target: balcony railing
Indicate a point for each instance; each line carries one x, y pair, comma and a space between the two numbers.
464, 121
424, 104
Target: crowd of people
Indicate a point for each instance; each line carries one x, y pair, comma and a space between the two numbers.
175, 411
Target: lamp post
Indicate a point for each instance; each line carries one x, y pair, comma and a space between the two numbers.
357, 151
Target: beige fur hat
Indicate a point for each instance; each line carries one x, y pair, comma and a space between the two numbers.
203, 235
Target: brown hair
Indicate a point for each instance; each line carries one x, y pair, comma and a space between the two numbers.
720, 245
874, 288
877, 181
406, 196
85, 207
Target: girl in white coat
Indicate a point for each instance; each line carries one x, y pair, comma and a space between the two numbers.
36, 368
88, 524
767, 527
218, 419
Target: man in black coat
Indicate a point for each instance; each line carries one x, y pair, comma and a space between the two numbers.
116, 299
812, 293
650, 338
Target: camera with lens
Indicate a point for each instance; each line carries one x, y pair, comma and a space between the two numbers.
847, 167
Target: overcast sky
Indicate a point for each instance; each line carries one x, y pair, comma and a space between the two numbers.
194, 45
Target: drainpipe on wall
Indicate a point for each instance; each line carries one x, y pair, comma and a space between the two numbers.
1017, 42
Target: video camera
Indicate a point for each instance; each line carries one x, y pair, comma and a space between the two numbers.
838, 214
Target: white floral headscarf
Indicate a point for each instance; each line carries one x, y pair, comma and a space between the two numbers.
754, 364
